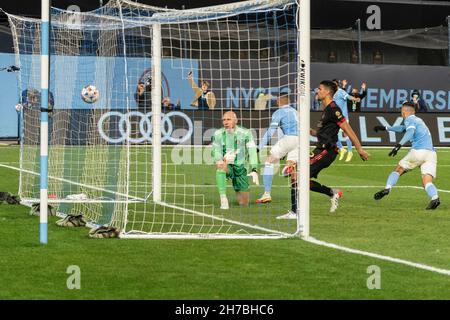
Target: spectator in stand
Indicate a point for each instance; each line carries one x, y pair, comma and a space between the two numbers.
167, 105
420, 104
353, 105
204, 98
143, 96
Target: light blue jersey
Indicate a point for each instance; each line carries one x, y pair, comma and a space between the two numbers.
416, 131
285, 118
340, 97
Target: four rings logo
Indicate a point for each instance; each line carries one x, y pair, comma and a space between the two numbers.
145, 127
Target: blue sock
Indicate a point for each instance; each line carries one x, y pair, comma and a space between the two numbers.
392, 180
339, 144
431, 191
349, 145
267, 177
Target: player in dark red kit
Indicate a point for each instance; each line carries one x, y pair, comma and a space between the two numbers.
326, 149
327, 135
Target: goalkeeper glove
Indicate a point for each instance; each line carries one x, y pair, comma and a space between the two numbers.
229, 157
254, 176
394, 151
379, 128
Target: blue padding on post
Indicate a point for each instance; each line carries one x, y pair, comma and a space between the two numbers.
44, 171
45, 45
43, 233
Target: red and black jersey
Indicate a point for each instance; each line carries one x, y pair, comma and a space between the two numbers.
329, 125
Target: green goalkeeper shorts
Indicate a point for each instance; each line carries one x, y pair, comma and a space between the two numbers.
238, 176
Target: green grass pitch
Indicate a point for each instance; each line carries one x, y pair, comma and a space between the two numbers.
397, 226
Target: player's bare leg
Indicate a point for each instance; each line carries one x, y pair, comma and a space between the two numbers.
243, 198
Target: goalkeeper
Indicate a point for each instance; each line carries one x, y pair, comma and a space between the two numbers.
233, 148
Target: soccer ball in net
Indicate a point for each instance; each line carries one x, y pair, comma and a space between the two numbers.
90, 94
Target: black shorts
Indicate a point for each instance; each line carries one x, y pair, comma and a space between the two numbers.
321, 159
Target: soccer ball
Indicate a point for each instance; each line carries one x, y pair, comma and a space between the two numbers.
90, 94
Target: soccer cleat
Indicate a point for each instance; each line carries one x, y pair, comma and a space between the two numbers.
266, 198
349, 156
433, 204
289, 215
72, 221
342, 152
380, 194
224, 203
337, 194
104, 232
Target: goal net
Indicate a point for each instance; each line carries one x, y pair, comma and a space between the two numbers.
107, 161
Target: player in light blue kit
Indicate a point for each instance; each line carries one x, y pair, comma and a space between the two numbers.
286, 119
340, 97
422, 154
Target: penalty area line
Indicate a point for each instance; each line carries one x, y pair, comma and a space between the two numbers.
378, 256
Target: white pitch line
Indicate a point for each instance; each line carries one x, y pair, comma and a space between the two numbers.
73, 182
378, 256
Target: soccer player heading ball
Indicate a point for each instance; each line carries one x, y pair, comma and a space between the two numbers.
233, 148
422, 154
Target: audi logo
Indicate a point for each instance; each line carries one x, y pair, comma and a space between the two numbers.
145, 127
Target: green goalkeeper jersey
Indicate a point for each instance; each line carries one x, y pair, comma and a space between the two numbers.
240, 142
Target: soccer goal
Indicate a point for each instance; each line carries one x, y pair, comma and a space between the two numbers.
137, 154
